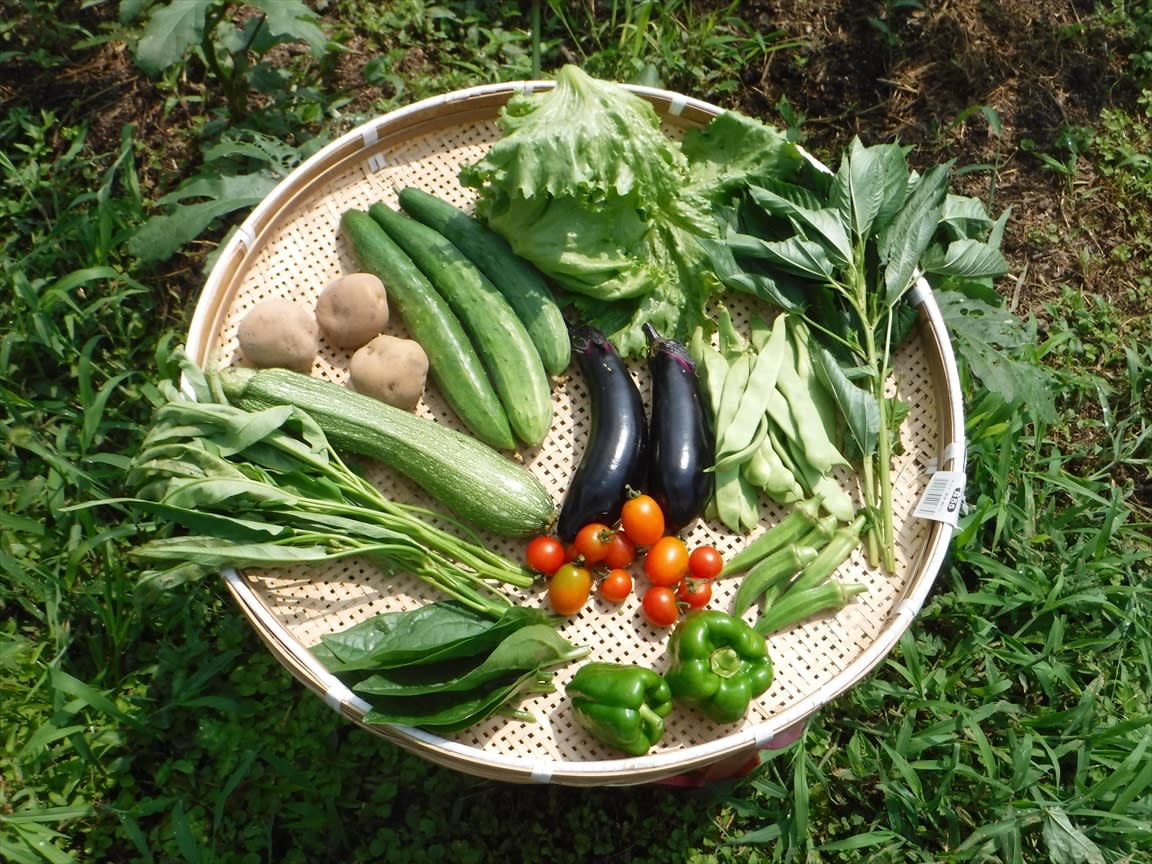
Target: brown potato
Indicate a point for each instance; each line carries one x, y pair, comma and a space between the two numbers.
352, 309
390, 369
279, 333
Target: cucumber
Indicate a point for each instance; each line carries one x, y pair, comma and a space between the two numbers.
474, 481
520, 282
507, 352
452, 360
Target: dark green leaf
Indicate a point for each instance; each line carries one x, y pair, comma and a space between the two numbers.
820, 225
869, 188
902, 242
208, 551
969, 259
857, 407
170, 32
535, 646
450, 712
427, 634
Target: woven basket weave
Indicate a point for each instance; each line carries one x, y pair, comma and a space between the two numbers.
290, 247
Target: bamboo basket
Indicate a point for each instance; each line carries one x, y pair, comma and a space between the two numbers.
290, 247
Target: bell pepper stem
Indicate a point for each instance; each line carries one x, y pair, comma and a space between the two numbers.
725, 662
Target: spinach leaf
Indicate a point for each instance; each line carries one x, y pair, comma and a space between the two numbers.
436, 631
536, 646
451, 712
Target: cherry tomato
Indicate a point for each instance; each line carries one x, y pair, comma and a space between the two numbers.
660, 607
592, 542
616, 586
696, 593
568, 589
544, 554
621, 551
705, 562
666, 563
642, 520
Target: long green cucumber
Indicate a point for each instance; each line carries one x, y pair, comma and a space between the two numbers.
520, 282
454, 365
500, 338
474, 481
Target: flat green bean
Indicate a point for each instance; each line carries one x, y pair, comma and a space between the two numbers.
767, 471
812, 434
737, 501
740, 428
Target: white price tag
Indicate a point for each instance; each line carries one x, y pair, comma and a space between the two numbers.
943, 500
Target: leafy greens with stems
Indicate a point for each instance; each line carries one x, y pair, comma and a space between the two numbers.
845, 253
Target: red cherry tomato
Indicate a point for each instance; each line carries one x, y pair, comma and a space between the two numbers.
621, 551
592, 542
616, 585
696, 593
666, 563
660, 607
544, 554
705, 562
568, 589
642, 520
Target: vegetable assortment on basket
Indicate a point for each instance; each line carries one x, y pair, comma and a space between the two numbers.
600, 216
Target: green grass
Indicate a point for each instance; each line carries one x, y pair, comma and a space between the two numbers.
1013, 722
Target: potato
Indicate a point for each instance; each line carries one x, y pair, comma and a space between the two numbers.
352, 309
390, 369
279, 333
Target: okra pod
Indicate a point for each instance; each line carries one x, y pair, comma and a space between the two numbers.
834, 553
778, 567
796, 606
803, 518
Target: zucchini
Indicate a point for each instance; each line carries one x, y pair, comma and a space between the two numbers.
474, 481
452, 360
507, 352
516, 278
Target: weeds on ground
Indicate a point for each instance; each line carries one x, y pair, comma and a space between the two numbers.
1012, 723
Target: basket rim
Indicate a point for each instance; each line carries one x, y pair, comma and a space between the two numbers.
617, 771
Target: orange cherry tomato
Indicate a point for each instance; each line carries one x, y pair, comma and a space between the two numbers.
666, 562
616, 585
642, 520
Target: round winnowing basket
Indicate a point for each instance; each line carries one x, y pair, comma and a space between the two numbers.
290, 247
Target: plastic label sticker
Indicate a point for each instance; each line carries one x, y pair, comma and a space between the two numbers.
943, 500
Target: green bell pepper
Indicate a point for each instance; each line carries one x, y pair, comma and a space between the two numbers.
620, 705
718, 664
